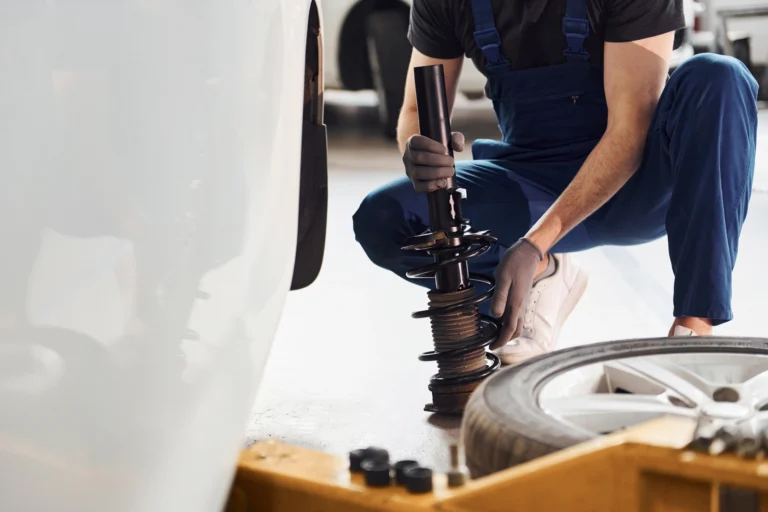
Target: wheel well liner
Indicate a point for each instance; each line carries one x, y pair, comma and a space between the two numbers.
313, 193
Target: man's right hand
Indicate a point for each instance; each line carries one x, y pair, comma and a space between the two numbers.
427, 162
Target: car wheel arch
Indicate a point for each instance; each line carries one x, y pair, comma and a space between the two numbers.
313, 190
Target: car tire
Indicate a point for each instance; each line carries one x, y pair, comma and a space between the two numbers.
389, 53
502, 428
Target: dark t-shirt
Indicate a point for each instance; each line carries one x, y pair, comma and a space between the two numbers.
531, 30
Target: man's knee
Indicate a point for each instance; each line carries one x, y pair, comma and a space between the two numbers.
375, 224
716, 76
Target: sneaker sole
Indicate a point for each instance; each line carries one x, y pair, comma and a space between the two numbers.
573, 298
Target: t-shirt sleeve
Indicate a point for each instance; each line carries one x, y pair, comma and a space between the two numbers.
631, 20
431, 31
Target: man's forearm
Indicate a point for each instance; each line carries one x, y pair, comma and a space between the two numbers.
407, 125
610, 165
634, 75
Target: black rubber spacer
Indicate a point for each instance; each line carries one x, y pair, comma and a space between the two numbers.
375, 453
377, 473
418, 480
400, 468
356, 458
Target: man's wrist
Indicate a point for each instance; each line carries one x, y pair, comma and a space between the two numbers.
544, 236
533, 246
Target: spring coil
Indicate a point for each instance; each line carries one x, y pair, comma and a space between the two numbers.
472, 245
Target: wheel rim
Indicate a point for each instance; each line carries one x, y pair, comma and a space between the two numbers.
604, 397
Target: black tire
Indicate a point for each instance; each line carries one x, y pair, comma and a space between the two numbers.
502, 428
389, 53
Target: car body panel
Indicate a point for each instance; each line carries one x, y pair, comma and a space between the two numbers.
150, 156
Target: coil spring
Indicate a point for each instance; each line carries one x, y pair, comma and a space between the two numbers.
452, 315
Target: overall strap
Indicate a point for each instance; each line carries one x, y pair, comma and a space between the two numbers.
487, 37
576, 30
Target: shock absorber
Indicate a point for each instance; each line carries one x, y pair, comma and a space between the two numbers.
460, 334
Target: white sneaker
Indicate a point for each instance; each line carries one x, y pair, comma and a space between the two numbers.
682, 332
552, 300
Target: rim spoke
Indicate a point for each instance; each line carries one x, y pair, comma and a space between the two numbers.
760, 420
609, 412
756, 387
645, 376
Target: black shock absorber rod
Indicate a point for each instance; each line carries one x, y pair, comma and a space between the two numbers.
460, 333
444, 204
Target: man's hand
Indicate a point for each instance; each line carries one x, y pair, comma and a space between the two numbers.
427, 162
514, 280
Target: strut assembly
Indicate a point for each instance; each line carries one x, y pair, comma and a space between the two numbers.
459, 332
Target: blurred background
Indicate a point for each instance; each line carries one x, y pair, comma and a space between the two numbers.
366, 48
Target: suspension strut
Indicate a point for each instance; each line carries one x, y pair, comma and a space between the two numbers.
460, 334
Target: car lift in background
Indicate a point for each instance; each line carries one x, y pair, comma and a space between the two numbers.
727, 15
719, 37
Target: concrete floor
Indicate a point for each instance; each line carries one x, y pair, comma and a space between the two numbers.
344, 373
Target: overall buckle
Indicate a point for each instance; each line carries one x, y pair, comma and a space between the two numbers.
490, 44
576, 31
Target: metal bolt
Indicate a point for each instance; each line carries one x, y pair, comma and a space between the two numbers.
456, 479
458, 475
375, 453
455, 456
762, 439
748, 447
703, 438
356, 458
418, 480
400, 468
725, 440
377, 473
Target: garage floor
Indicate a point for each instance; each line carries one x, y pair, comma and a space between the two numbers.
344, 373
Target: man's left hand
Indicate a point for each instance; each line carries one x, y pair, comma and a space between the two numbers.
514, 281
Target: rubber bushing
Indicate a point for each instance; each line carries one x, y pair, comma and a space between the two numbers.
418, 480
356, 458
400, 468
375, 453
377, 473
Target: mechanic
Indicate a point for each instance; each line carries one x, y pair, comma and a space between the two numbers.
600, 146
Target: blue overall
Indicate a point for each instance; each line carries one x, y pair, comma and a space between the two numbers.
694, 183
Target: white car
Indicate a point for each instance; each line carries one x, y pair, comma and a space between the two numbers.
367, 48
163, 187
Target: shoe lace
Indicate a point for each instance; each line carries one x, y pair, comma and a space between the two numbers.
530, 313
